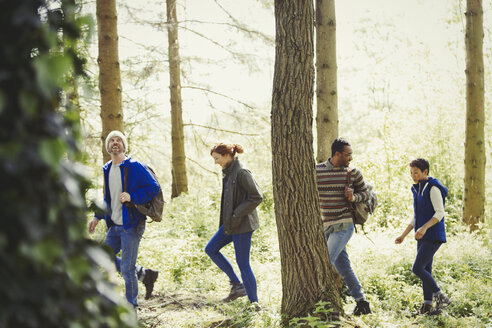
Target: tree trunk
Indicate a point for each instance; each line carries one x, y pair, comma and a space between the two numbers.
307, 276
474, 198
326, 78
180, 180
109, 70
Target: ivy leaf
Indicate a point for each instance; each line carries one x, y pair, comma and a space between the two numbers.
51, 151
50, 70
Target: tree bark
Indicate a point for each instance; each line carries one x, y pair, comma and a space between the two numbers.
474, 197
109, 70
307, 276
326, 78
180, 180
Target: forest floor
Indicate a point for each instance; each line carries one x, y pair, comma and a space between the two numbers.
190, 287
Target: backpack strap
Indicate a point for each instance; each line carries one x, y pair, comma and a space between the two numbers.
125, 189
350, 206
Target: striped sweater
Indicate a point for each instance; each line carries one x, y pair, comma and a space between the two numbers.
331, 190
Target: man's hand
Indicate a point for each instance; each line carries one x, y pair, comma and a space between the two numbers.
92, 225
349, 193
125, 197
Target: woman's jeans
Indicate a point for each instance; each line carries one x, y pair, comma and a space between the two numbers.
339, 259
128, 242
422, 266
242, 246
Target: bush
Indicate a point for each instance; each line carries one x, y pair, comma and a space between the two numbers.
50, 273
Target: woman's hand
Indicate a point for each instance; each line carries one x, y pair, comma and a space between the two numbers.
399, 239
420, 232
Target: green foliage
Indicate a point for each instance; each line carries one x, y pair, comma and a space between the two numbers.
175, 247
50, 273
322, 318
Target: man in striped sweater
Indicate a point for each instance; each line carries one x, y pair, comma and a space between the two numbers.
334, 197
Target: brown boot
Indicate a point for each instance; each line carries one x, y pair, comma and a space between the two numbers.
424, 309
237, 290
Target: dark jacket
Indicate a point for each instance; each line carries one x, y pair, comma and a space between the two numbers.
142, 187
240, 197
424, 210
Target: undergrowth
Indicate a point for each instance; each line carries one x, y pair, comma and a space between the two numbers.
190, 287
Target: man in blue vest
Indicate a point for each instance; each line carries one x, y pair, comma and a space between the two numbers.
126, 225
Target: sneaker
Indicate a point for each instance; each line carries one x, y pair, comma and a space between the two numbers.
254, 307
237, 290
442, 300
362, 307
149, 279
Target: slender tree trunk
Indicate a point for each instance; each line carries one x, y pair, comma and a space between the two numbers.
326, 78
109, 70
307, 276
474, 198
180, 180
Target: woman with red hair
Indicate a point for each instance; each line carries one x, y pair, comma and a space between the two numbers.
238, 219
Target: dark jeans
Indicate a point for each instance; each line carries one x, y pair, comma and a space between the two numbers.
242, 246
422, 266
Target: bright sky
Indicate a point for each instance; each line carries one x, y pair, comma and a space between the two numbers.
396, 42
414, 50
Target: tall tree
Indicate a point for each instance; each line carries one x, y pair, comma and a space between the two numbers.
50, 271
474, 197
109, 70
307, 276
180, 180
326, 78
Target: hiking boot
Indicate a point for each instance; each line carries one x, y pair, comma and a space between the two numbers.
362, 307
424, 309
442, 300
149, 279
237, 290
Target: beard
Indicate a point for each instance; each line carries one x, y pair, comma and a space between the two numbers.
116, 150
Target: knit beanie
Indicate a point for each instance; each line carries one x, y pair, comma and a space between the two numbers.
113, 134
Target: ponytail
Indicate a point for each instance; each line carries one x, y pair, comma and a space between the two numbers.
223, 149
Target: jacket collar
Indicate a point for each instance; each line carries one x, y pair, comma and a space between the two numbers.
123, 164
231, 166
432, 182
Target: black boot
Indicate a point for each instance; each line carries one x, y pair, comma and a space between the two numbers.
362, 307
149, 280
237, 290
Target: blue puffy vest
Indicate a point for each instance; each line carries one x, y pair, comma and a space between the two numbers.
424, 210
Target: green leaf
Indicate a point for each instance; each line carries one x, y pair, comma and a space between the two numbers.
77, 269
29, 102
50, 70
51, 151
46, 251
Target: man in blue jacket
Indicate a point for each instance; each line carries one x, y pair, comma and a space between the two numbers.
126, 225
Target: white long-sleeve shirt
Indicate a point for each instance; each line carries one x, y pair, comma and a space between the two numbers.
437, 203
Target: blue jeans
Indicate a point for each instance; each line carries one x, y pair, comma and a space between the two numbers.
422, 266
339, 259
242, 246
127, 241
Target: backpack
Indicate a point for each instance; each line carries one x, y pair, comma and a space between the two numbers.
154, 207
362, 210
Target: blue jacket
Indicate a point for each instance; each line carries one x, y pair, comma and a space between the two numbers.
142, 187
424, 210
